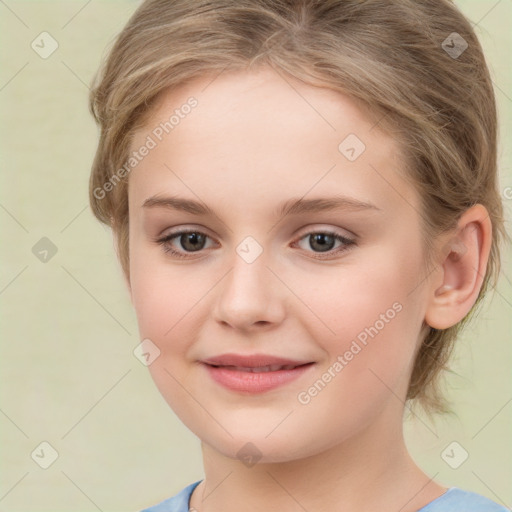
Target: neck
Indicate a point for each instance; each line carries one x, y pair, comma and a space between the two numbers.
371, 471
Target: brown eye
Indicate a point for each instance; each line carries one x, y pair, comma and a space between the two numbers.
183, 244
188, 242
192, 241
323, 242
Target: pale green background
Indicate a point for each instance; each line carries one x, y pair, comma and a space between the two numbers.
68, 373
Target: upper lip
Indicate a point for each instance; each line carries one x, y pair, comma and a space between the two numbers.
252, 360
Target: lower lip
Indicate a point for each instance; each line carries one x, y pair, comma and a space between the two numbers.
250, 382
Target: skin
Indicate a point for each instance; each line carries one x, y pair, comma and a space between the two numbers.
253, 142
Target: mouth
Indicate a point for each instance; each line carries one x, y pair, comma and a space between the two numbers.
259, 369
256, 379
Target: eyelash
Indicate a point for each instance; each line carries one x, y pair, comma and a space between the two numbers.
164, 242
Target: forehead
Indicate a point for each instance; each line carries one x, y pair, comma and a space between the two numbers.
265, 97
264, 134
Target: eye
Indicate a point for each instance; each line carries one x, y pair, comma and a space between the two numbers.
190, 240
324, 242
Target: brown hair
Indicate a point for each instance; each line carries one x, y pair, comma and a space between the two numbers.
404, 60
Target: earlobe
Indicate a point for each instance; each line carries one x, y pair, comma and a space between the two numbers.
463, 263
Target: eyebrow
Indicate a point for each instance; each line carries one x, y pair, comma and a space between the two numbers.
294, 206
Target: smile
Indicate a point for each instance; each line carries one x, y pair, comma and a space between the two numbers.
255, 379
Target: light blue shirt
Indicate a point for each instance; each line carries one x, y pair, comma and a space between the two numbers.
453, 500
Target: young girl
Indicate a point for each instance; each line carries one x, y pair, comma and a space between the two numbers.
304, 199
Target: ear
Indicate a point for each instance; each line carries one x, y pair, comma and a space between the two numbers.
463, 263
126, 280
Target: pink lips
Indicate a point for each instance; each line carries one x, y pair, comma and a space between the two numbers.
254, 373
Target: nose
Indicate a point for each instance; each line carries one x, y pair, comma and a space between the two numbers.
250, 297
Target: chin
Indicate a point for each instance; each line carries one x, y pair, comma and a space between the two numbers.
251, 447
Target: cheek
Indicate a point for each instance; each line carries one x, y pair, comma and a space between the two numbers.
166, 315
368, 358
169, 303
155, 296
367, 315
160, 303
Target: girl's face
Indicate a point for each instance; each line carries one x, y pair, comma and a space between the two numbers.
261, 276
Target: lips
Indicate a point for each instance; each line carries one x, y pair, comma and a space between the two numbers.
258, 369
262, 362
255, 373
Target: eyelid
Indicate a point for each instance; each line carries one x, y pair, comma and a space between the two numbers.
323, 228
163, 240
332, 254
298, 234
347, 241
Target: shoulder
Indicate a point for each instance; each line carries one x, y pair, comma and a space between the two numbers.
458, 500
177, 503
